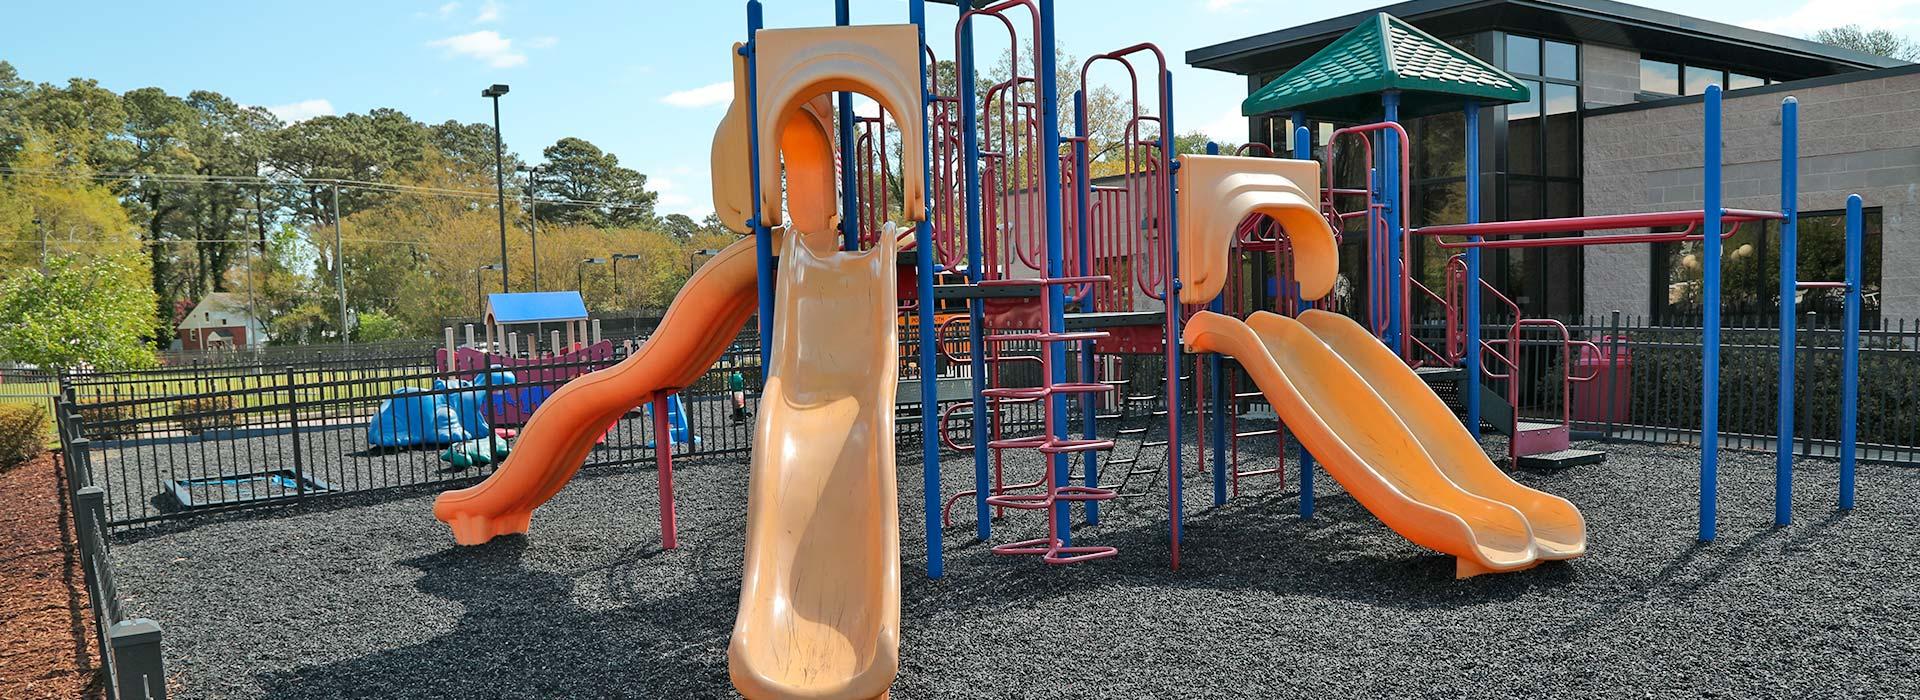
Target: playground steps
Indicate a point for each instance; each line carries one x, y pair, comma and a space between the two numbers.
1539, 445
1561, 459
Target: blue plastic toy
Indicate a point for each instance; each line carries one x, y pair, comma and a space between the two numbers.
676, 423
415, 417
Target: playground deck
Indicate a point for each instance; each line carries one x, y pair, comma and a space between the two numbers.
366, 596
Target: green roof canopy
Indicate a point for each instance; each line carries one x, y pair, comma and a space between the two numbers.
1343, 81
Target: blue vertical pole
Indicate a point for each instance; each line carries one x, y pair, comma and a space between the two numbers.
1303, 150
976, 316
1789, 287
763, 236
929, 388
1218, 397
1083, 230
1056, 295
1471, 384
849, 186
1390, 193
1175, 497
1850, 351
1710, 323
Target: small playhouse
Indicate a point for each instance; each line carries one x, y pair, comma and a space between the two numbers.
511, 339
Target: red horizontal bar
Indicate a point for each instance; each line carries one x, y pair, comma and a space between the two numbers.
1576, 224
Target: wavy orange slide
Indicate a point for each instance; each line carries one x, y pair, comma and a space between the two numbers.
819, 612
1559, 531
1359, 440
704, 318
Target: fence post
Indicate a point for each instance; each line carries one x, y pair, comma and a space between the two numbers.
89, 504
293, 431
1613, 375
139, 668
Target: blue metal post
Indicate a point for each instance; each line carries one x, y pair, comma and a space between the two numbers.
1083, 230
763, 236
1850, 351
849, 186
1710, 322
1390, 194
1056, 295
1218, 399
1176, 498
1471, 384
976, 316
1789, 314
1303, 150
929, 389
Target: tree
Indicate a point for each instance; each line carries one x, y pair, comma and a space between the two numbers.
679, 226
1878, 42
95, 314
577, 169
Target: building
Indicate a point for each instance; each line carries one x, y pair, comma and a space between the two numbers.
1613, 126
220, 321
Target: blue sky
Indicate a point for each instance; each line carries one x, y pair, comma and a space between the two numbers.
637, 78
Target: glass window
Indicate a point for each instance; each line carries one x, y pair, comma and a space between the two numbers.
1561, 99
1562, 133
1659, 77
1699, 78
1750, 271
1523, 54
1736, 81
1523, 133
1561, 60
1439, 146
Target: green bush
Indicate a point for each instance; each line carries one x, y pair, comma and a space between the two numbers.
23, 432
203, 413
102, 420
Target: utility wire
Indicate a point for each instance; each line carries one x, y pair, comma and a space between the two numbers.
195, 178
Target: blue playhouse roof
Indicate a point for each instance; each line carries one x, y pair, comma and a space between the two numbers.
536, 307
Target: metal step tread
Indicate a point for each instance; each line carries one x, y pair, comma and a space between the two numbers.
1108, 319
1530, 426
997, 291
1436, 374
1563, 458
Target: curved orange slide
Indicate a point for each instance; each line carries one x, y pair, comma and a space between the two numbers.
1559, 532
819, 612
704, 318
1363, 444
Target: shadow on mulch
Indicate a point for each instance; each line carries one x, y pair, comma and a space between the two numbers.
47, 651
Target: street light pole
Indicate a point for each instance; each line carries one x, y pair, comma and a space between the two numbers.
479, 305
339, 265
580, 273
533, 220
617, 257
499, 177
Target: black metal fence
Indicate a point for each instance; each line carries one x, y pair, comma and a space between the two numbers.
128, 647
1647, 384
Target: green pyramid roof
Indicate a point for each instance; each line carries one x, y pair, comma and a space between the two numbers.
1343, 80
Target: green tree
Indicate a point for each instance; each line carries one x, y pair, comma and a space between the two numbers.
577, 169
96, 313
1878, 42
679, 226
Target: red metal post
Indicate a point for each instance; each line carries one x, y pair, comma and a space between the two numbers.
663, 460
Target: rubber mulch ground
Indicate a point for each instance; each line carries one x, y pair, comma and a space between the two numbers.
367, 597
46, 647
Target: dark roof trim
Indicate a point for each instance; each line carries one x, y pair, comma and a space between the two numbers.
1790, 86
1607, 10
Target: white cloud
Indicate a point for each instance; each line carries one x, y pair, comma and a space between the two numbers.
486, 45
489, 12
674, 201
1229, 5
1896, 15
447, 9
542, 42
703, 96
1229, 127
302, 110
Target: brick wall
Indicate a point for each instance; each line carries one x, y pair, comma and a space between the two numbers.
1856, 137
1608, 75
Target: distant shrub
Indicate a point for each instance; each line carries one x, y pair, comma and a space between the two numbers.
23, 432
203, 413
102, 420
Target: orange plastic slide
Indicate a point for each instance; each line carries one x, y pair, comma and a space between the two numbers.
819, 609
703, 319
1559, 532
1359, 440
